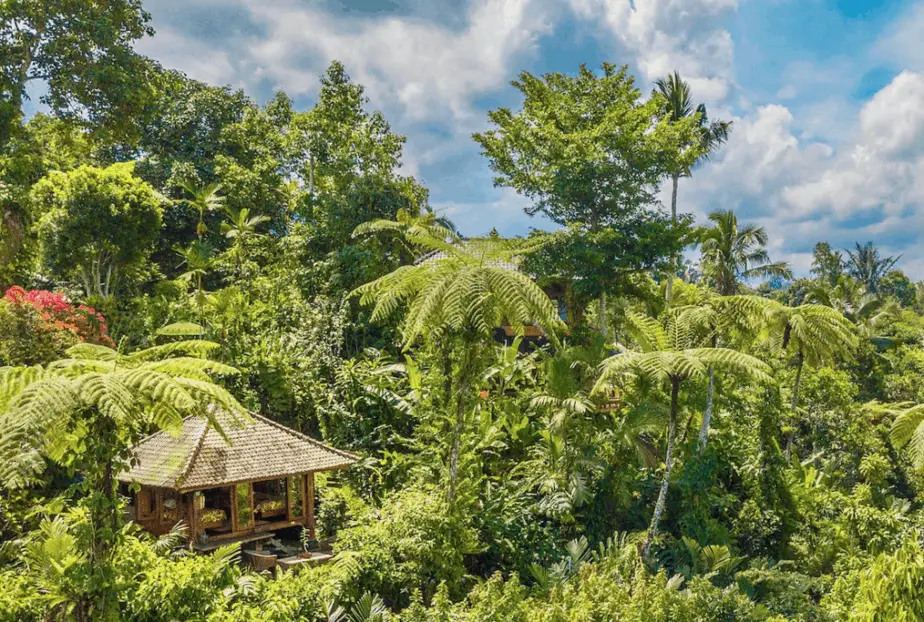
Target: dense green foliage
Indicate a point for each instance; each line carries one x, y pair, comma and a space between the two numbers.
702, 448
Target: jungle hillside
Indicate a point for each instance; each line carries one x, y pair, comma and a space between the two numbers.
631, 415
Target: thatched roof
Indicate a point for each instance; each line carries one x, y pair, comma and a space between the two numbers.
200, 458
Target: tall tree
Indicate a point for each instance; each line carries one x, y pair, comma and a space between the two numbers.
710, 136
42, 145
827, 264
83, 51
455, 299
731, 254
99, 225
670, 353
587, 150
867, 266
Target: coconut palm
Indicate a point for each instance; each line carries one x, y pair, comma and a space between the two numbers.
732, 254
867, 266
454, 300
670, 353
712, 135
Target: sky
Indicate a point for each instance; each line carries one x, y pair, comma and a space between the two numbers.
826, 96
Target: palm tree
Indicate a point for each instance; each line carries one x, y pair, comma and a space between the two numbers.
198, 258
731, 254
239, 228
241, 225
867, 266
205, 199
671, 353
454, 300
712, 135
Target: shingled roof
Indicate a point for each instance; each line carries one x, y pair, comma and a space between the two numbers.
200, 458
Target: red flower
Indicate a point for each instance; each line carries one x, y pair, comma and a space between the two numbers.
57, 312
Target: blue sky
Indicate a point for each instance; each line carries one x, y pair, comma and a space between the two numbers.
827, 96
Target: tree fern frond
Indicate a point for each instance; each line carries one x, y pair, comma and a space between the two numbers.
191, 347
32, 420
907, 428
90, 351
180, 329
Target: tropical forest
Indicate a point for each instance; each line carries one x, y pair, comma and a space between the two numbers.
627, 414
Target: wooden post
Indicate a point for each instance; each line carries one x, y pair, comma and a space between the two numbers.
193, 518
309, 504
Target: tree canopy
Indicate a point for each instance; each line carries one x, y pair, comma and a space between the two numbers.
558, 426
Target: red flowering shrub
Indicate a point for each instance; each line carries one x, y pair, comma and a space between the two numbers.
56, 312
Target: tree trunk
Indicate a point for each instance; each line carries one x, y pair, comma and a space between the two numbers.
707, 416
454, 452
668, 463
461, 399
800, 361
602, 321
311, 175
669, 287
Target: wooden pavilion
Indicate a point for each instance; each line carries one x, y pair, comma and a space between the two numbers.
258, 479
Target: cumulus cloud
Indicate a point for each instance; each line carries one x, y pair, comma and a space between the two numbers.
665, 35
880, 171
811, 164
196, 58
427, 69
870, 187
901, 44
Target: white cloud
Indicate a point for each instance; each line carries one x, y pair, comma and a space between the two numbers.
787, 92
881, 168
196, 58
668, 35
427, 69
870, 187
901, 44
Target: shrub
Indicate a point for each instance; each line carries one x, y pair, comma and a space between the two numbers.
38, 326
413, 542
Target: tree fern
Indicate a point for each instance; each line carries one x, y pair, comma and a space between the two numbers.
459, 293
670, 353
908, 429
41, 406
